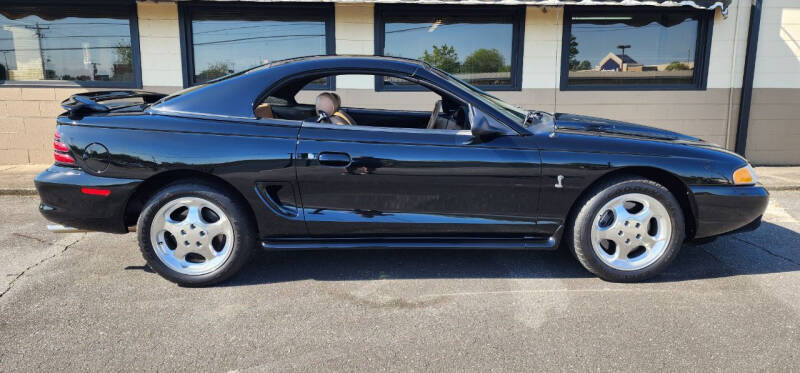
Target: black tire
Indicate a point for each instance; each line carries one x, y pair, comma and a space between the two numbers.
244, 231
578, 233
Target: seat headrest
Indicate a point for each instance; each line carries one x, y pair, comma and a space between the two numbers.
264, 111
327, 102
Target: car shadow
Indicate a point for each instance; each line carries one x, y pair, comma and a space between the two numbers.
770, 249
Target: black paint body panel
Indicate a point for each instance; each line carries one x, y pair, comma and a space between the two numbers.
377, 184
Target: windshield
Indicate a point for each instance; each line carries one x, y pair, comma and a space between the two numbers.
506, 108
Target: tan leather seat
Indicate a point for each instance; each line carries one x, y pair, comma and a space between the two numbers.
330, 103
264, 111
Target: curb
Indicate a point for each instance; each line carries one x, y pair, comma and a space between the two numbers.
18, 192
783, 188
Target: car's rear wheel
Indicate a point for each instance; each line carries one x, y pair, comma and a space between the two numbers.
626, 229
195, 234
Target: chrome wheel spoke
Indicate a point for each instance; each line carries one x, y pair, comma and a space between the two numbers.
216, 228
207, 252
193, 215
621, 213
172, 227
648, 241
609, 234
181, 251
622, 251
643, 217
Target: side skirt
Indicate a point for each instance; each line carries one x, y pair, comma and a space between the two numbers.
459, 243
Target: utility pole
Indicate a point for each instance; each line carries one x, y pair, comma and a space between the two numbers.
38, 32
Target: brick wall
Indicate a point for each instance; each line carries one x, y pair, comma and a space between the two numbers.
27, 123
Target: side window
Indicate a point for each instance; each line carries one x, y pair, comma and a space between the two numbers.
355, 102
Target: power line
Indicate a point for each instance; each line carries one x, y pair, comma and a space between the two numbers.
256, 38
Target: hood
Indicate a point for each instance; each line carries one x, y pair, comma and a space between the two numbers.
581, 123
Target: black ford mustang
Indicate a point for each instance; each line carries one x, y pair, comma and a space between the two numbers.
208, 173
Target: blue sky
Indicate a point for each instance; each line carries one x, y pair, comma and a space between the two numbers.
412, 39
248, 43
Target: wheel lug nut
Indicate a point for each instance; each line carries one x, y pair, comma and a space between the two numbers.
626, 223
638, 236
620, 233
186, 243
637, 225
183, 232
198, 244
202, 233
191, 226
628, 241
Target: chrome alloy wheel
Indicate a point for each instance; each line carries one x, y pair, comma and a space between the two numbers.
631, 231
192, 236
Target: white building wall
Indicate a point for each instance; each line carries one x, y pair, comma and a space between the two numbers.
159, 43
542, 47
729, 46
778, 60
354, 31
774, 132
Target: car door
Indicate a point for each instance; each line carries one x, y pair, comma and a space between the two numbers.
379, 181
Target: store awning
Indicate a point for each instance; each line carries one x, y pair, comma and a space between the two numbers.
697, 4
62, 12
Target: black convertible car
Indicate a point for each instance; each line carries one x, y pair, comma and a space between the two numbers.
206, 174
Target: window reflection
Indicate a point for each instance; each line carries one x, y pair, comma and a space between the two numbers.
629, 48
225, 43
61, 43
478, 50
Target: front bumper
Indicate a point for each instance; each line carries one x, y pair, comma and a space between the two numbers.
63, 202
724, 209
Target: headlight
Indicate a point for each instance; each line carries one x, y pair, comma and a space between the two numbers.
744, 176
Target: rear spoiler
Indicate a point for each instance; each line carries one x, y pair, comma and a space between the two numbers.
89, 102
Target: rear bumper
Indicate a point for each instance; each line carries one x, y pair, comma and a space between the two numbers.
63, 202
725, 209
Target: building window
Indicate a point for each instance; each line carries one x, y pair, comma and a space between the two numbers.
635, 49
477, 44
68, 45
225, 39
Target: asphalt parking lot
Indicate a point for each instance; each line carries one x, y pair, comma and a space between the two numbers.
88, 302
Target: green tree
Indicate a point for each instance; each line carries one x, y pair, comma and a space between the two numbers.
444, 58
214, 71
485, 60
574, 63
124, 54
677, 66
585, 65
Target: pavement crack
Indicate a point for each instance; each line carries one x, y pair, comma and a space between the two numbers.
768, 251
22, 235
19, 275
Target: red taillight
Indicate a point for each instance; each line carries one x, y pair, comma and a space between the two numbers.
60, 147
63, 158
60, 150
95, 191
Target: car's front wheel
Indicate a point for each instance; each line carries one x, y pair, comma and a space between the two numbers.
195, 234
626, 229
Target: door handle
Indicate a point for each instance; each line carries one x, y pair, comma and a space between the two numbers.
334, 159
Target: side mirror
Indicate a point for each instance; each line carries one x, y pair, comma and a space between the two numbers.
485, 128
